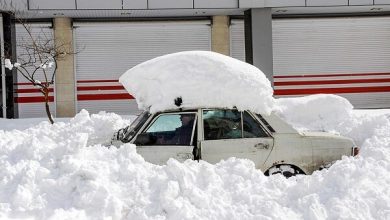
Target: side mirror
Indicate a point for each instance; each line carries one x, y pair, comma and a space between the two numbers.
119, 134
145, 139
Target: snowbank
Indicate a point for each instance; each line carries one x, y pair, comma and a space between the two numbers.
61, 171
330, 113
200, 78
317, 112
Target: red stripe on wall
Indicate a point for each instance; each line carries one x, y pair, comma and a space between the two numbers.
332, 75
32, 99
98, 80
31, 90
321, 82
86, 88
88, 97
331, 90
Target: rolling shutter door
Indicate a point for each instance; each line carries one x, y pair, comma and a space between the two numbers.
107, 50
28, 98
347, 56
237, 39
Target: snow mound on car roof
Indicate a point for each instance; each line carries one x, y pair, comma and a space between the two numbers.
201, 79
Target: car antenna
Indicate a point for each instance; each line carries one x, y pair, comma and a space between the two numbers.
178, 102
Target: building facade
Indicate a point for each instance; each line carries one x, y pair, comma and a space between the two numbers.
303, 46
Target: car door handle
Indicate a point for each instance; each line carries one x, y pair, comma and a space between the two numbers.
261, 146
184, 156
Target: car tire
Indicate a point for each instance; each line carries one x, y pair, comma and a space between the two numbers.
285, 169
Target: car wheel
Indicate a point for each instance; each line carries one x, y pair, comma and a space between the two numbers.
284, 169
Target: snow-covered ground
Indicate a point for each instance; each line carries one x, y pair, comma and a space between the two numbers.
63, 171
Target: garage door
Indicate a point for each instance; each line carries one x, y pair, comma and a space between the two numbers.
348, 56
28, 98
107, 50
345, 56
237, 39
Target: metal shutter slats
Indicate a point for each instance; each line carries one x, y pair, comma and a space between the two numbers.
237, 40
109, 49
342, 48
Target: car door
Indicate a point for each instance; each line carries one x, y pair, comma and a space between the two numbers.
167, 137
230, 133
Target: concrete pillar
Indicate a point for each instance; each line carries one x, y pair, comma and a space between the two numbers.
220, 35
65, 78
258, 40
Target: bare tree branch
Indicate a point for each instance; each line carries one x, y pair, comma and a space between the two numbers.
38, 55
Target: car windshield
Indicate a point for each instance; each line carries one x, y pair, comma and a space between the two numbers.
134, 127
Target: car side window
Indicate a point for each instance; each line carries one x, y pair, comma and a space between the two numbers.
222, 124
252, 128
171, 129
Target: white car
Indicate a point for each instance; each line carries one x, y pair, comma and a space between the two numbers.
214, 134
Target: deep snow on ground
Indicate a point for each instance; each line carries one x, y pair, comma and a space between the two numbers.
200, 78
62, 171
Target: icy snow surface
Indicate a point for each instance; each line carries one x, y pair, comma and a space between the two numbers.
200, 78
61, 171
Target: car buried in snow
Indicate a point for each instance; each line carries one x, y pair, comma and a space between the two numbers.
215, 134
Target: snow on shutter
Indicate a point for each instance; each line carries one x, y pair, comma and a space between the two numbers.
28, 98
348, 56
108, 49
237, 39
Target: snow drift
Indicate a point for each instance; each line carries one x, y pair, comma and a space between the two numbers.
200, 78
330, 113
61, 172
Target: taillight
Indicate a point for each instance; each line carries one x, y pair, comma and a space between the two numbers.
355, 151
